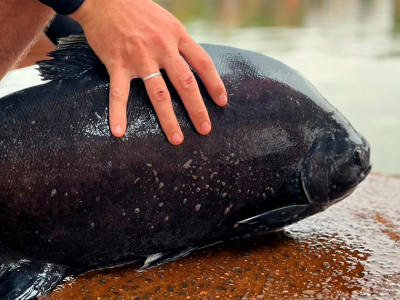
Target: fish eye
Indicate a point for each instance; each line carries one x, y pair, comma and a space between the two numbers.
357, 157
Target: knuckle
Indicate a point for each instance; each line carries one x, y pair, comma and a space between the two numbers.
205, 63
199, 113
117, 95
178, 26
160, 94
161, 41
188, 82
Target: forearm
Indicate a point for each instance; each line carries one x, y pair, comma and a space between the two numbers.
21, 22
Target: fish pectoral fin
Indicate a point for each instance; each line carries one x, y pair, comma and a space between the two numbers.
164, 257
279, 215
24, 279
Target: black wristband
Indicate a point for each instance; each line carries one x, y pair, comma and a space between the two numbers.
63, 7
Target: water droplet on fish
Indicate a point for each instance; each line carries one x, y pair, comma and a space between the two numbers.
228, 208
188, 164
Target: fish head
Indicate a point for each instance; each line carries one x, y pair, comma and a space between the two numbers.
337, 162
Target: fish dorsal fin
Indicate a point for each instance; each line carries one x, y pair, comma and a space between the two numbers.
71, 60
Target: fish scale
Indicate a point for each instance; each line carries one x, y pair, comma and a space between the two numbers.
76, 198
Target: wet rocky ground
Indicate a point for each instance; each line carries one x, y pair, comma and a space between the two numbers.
350, 251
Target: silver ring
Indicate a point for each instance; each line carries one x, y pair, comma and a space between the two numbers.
151, 76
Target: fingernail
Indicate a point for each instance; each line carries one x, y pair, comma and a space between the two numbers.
118, 130
222, 100
205, 128
176, 138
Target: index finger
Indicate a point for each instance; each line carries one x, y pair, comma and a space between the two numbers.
201, 62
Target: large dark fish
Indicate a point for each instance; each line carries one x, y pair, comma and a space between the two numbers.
74, 198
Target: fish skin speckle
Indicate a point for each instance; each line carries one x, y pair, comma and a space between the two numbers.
188, 164
228, 208
265, 142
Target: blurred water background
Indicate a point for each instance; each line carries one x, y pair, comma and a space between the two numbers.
348, 49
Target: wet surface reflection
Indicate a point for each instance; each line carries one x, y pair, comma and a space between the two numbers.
351, 251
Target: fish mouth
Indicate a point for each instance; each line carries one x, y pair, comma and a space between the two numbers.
364, 174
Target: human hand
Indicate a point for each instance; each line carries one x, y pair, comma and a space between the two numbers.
136, 38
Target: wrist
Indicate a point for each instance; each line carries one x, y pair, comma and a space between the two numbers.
63, 7
81, 14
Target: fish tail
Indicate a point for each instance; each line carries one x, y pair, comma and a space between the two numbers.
25, 279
